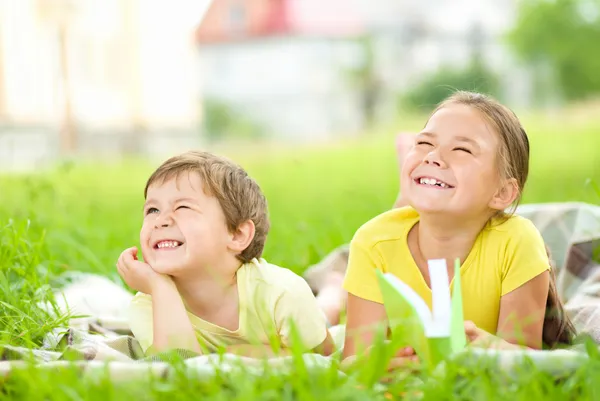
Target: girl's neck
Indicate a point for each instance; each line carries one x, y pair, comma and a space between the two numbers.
445, 239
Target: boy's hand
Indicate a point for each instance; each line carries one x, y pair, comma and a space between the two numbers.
138, 275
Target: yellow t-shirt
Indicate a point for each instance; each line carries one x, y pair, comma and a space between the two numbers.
504, 256
272, 300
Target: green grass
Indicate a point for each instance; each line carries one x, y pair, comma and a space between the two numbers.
80, 217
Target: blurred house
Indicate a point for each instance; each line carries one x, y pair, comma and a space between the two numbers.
298, 68
97, 77
281, 64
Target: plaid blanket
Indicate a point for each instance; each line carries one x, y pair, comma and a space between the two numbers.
102, 335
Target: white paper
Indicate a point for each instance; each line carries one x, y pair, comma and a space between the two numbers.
441, 304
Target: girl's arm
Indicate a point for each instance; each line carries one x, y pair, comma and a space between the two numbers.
363, 319
522, 311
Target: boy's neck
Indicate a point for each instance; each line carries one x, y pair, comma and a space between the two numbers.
447, 239
209, 290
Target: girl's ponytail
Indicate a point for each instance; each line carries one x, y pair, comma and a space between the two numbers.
558, 328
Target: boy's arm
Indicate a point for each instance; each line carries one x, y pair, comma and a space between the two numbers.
298, 310
171, 325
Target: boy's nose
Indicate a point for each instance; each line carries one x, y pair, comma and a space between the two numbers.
163, 221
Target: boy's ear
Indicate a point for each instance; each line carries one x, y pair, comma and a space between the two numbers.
506, 195
242, 236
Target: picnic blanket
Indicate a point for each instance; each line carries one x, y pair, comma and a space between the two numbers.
102, 337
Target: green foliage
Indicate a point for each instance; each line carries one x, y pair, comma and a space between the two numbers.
80, 219
436, 87
26, 301
565, 34
222, 121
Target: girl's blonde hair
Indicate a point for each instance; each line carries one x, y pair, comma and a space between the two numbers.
513, 156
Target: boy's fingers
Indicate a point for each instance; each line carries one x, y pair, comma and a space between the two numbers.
129, 255
121, 271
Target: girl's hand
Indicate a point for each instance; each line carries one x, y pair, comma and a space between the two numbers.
405, 358
136, 274
482, 339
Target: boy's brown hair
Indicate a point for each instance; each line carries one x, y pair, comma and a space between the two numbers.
513, 156
238, 194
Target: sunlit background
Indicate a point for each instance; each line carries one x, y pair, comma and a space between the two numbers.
309, 97
111, 78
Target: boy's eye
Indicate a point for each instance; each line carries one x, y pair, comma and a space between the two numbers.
182, 207
151, 210
464, 150
424, 143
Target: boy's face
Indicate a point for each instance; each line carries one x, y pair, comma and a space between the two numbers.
183, 228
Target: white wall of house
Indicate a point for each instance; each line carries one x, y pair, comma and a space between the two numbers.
293, 86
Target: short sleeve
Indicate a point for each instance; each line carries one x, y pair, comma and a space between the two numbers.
361, 277
297, 309
525, 257
140, 320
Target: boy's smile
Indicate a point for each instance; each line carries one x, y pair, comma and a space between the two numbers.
167, 244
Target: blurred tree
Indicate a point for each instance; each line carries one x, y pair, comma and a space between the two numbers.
475, 76
222, 121
363, 77
564, 34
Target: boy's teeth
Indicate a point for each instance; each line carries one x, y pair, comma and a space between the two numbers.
168, 244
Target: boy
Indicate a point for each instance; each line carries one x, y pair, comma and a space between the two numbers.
203, 284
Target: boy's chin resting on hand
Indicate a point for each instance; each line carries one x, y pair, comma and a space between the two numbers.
138, 275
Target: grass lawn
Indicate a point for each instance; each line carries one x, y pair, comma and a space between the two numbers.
81, 217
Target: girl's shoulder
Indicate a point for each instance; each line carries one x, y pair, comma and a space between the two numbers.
513, 232
512, 226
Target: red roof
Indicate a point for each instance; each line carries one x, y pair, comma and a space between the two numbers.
263, 18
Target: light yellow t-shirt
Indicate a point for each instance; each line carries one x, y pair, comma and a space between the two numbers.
272, 300
503, 257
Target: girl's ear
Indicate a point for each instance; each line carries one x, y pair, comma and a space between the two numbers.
242, 237
506, 195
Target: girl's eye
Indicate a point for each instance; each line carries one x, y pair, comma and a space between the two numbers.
151, 210
464, 150
182, 207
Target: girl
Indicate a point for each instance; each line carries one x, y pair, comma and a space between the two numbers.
468, 165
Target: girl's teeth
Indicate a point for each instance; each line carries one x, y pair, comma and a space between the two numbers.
431, 181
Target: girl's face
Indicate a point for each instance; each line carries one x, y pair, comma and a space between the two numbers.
452, 168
